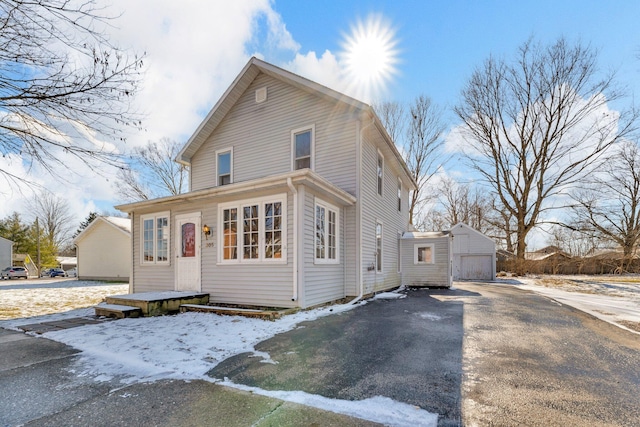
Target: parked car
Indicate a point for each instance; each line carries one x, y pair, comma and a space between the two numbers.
73, 272
14, 272
45, 272
57, 272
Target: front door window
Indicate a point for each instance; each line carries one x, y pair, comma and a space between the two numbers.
188, 240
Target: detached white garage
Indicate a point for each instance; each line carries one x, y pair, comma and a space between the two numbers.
474, 254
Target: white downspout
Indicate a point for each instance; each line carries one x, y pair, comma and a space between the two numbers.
359, 201
295, 238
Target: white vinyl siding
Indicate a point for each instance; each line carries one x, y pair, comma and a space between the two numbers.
95, 263
324, 281
435, 273
260, 135
382, 209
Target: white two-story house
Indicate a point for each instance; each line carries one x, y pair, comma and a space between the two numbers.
297, 197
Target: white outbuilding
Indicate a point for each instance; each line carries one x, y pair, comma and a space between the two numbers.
104, 249
474, 254
426, 259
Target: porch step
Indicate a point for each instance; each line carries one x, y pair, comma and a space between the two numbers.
159, 303
232, 311
117, 311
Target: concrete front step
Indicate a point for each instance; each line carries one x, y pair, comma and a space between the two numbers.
158, 303
117, 311
232, 311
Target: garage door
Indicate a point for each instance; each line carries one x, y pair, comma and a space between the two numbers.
476, 267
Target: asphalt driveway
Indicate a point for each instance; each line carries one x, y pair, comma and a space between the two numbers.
407, 349
480, 354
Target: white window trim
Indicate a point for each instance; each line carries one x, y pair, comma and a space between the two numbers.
380, 188
294, 132
399, 254
399, 195
155, 217
327, 207
240, 204
417, 246
223, 151
381, 265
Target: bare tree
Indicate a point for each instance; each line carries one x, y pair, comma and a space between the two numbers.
152, 172
63, 85
393, 117
609, 208
422, 148
536, 125
55, 218
463, 203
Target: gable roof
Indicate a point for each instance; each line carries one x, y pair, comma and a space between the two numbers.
250, 71
463, 226
123, 225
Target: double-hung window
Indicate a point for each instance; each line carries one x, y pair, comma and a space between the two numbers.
302, 148
380, 172
253, 230
224, 166
399, 195
326, 233
379, 247
155, 238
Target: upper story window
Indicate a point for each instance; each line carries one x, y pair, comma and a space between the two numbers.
327, 226
399, 195
253, 230
302, 148
155, 238
224, 166
380, 172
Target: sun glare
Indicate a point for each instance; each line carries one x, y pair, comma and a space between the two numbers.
369, 57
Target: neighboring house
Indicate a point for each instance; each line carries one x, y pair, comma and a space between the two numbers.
426, 259
547, 252
298, 196
103, 249
67, 262
6, 253
474, 254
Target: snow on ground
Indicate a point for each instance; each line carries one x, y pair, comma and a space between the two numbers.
187, 346
28, 298
614, 299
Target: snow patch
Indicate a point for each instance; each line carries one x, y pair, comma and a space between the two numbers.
378, 409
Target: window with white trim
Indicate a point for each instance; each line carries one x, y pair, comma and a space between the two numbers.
327, 219
155, 238
399, 195
423, 254
379, 247
302, 147
380, 172
224, 166
253, 230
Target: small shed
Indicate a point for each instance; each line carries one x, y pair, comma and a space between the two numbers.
426, 259
104, 249
6, 253
474, 254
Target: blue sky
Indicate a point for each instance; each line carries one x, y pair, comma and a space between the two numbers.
195, 48
441, 42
